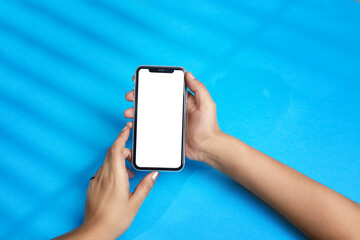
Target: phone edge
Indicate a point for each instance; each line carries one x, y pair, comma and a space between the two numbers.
184, 121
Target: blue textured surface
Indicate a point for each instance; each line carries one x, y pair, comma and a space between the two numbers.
284, 74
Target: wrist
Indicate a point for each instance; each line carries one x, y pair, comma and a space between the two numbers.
93, 230
85, 231
214, 148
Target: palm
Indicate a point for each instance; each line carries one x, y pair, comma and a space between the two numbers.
200, 126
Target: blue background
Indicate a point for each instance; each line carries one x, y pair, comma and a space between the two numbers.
284, 74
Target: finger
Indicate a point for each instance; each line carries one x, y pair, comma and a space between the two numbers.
190, 101
202, 95
190, 94
130, 96
130, 173
127, 154
129, 113
143, 189
133, 77
119, 143
130, 125
115, 154
98, 172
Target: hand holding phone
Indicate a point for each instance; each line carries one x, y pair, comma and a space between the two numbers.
201, 120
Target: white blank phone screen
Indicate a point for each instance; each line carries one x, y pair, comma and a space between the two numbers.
159, 119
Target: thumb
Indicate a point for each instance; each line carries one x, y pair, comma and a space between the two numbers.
202, 95
143, 189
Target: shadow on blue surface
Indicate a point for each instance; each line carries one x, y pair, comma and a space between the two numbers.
59, 54
90, 35
45, 83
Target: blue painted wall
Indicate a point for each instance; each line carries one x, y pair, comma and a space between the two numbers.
285, 76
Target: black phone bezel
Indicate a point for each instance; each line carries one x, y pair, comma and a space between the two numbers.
160, 69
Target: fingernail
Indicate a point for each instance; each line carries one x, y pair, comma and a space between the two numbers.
125, 128
154, 176
190, 75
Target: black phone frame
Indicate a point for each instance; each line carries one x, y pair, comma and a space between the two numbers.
160, 69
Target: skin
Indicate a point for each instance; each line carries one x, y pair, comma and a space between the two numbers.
316, 210
110, 206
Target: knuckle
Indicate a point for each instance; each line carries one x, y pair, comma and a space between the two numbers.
113, 150
202, 86
126, 152
146, 187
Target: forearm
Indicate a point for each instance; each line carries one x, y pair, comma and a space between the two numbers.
315, 209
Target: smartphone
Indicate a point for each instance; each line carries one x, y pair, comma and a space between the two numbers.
159, 118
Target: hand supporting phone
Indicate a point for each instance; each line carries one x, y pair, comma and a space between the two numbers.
159, 118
